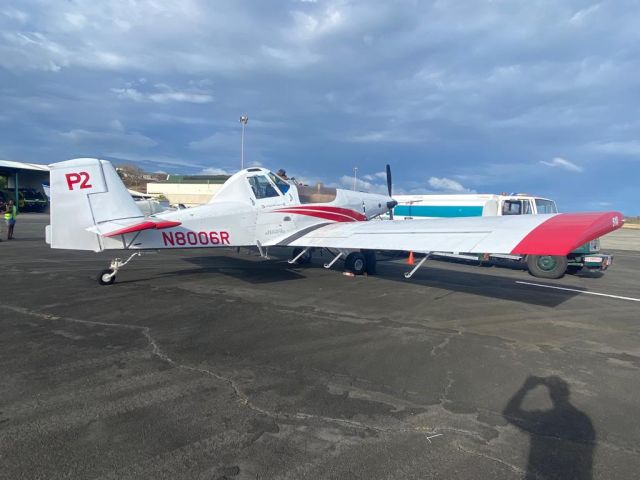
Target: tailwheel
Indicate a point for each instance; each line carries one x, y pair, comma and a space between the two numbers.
107, 276
356, 263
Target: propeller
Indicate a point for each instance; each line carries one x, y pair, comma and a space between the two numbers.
392, 203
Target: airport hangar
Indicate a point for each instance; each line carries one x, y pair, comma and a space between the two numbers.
18, 175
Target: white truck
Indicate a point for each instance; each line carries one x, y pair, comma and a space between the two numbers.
586, 257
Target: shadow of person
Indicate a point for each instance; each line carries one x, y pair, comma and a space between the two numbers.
562, 439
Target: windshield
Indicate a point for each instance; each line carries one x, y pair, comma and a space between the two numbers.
262, 187
280, 183
546, 206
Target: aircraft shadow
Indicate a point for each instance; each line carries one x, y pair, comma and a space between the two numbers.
469, 279
472, 280
562, 439
250, 271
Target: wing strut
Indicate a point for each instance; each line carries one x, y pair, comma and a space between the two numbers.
330, 264
295, 259
415, 269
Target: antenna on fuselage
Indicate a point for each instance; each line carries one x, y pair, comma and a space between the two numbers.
243, 120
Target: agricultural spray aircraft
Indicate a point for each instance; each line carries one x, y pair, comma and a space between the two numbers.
92, 210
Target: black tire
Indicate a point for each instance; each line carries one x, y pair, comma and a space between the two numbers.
370, 257
573, 269
304, 259
547, 266
356, 263
103, 277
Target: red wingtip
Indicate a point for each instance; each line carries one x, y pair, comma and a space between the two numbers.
565, 232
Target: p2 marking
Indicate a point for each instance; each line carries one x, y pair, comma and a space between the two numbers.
81, 178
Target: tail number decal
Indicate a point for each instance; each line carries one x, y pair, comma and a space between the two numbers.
81, 178
180, 239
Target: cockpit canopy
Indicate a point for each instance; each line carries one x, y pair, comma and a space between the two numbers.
266, 184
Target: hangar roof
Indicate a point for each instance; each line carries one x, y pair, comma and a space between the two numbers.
23, 166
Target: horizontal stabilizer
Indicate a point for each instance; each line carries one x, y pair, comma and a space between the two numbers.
122, 227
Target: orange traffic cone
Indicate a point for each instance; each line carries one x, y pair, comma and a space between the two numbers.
410, 259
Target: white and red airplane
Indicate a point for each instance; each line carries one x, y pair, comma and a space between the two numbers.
92, 210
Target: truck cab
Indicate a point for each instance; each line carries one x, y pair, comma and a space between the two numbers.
522, 204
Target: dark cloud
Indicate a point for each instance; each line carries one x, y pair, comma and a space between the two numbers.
483, 96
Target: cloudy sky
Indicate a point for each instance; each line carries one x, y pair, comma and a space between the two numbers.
458, 96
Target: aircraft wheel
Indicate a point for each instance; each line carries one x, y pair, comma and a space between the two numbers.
106, 277
304, 259
356, 263
547, 266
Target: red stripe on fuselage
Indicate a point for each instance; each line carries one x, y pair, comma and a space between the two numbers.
335, 217
323, 208
565, 232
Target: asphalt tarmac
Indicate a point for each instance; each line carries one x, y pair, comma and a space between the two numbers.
207, 364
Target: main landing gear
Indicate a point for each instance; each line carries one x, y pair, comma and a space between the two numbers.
108, 275
361, 262
357, 263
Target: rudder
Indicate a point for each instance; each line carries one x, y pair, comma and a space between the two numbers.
84, 193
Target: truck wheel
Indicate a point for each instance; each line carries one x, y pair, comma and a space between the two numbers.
547, 266
356, 263
304, 259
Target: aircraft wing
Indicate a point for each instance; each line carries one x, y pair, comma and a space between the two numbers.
556, 234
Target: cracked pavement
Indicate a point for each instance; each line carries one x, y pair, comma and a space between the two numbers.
215, 365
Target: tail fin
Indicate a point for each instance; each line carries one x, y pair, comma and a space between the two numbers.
84, 193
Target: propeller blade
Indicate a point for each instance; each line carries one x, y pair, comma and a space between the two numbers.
389, 180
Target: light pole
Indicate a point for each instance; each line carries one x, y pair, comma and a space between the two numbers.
355, 176
243, 120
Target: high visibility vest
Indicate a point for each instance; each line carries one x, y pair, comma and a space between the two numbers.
12, 214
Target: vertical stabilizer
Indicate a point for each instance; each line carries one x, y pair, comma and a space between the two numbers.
84, 193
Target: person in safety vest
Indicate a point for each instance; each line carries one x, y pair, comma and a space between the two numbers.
10, 215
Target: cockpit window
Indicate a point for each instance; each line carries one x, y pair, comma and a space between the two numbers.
512, 207
262, 187
280, 183
546, 206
